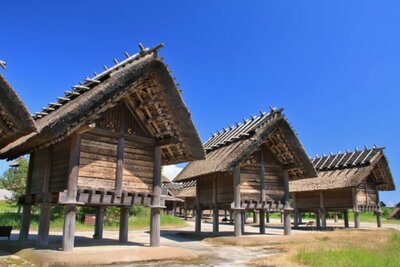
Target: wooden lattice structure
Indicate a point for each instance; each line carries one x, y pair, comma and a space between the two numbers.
248, 167
349, 180
15, 120
103, 143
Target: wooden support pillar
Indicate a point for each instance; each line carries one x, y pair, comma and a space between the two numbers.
296, 212
379, 211
318, 219
267, 216
98, 228
174, 208
123, 225
243, 218
335, 217
185, 210
156, 206
300, 217
25, 222
287, 209
238, 209
346, 218
263, 193
44, 225
70, 207
255, 217
69, 228
322, 207
355, 209
215, 206
45, 207
27, 207
231, 217
120, 157
199, 212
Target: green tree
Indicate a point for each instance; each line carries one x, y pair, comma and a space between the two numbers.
14, 179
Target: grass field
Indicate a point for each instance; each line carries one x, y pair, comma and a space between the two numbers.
330, 249
9, 216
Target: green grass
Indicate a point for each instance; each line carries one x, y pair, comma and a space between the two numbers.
388, 255
56, 224
6, 207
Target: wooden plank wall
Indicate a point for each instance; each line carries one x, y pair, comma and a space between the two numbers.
338, 198
308, 200
38, 171
60, 166
205, 190
225, 189
362, 196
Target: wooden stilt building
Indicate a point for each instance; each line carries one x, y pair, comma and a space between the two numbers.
103, 143
247, 168
346, 181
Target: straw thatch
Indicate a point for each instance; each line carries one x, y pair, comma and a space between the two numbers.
146, 87
348, 169
236, 144
15, 120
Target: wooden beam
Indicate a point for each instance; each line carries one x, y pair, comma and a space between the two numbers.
155, 208
120, 157
237, 200
27, 208
322, 207
123, 225
355, 209
215, 205
167, 142
199, 213
133, 138
262, 191
69, 228
379, 211
287, 209
98, 230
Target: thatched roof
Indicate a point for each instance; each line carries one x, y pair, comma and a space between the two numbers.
182, 189
234, 145
348, 169
144, 83
15, 120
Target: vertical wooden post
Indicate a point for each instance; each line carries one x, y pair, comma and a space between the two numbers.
366, 193
287, 209
45, 207
267, 216
318, 219
230, 216
378, 211
185, 209
27, 206
120, 157
243, 218
155, 208
255, 217
98, 228
70, 207
215, 206
199, 212
123, 224
263, 194
346, 218
296, 212
355, 209
322, 207
236, 198
335, 217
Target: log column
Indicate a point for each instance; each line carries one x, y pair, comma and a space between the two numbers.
238, 209
27, 206
263, 197
98, 228
318, 218
199, 212
323, 211
45, 206
255, 217
335, 217
355, 209
296, 212
215, 206
346, 218
123, 225
156, 207
378, 211
70, 207
287, 209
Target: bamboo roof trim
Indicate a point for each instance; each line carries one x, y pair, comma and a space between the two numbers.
348, 169
224, 151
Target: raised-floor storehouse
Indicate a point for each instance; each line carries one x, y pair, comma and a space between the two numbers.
346, 181
103, 143
248, 167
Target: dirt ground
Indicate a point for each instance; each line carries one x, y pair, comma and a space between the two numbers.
179, 247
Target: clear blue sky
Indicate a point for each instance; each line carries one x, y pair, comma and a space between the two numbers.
333, 65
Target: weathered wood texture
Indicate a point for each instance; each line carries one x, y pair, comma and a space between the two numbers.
366, 194
333, 199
